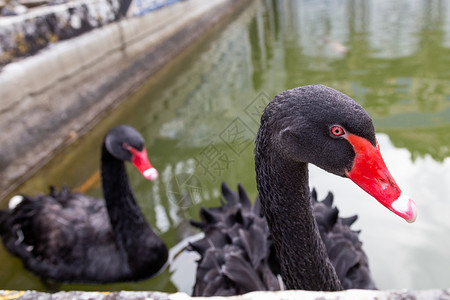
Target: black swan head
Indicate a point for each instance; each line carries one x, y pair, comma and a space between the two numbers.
126, 144
319, 125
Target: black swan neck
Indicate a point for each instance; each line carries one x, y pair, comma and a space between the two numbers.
132, 232
285, 198
119, 197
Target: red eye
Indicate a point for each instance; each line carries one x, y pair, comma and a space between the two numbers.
337, 130
126, 146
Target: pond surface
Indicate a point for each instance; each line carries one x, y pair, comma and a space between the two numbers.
200, 115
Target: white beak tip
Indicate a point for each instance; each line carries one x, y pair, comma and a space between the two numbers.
405, 207
150, 174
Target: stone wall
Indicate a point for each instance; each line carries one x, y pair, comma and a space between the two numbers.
26, 34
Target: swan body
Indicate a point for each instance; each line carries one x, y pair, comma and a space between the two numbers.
72, 237
311, 124
238, 253
235, 253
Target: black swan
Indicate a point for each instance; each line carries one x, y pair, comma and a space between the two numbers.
315, 249
71, 237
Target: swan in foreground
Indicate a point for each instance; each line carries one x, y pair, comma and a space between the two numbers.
311, 124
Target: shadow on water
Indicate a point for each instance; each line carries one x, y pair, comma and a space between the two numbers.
199, 118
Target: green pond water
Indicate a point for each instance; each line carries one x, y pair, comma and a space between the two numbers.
200, 115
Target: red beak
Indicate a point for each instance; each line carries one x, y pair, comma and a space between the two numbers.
371, 174
141, 162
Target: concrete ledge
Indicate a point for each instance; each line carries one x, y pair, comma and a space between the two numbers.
282, 295
61, 92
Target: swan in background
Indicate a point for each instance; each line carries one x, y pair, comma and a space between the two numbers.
72, 237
